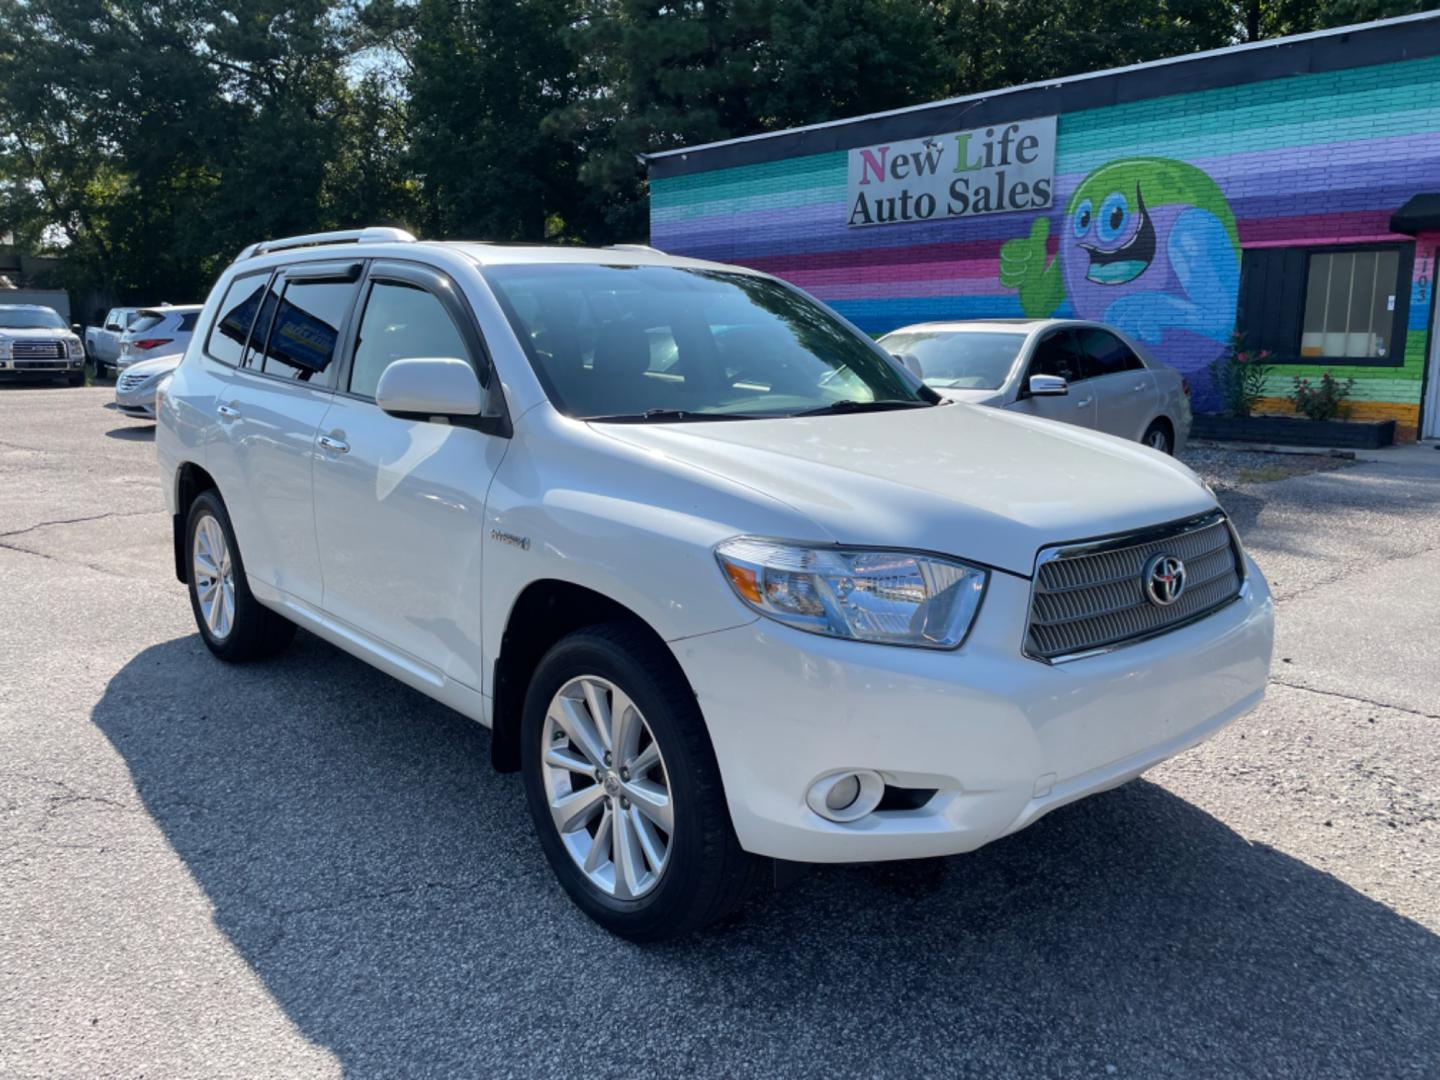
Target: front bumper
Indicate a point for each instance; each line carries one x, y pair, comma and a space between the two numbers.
1004, 739
138, 402
40, 369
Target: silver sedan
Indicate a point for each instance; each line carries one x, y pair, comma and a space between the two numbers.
1062, 369
135, 386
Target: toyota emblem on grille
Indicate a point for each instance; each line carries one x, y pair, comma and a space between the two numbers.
1163, 580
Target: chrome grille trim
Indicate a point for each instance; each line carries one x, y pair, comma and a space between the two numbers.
30, 349
1086, 597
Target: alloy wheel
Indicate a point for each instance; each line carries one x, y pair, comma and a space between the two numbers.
214, 577
607, 787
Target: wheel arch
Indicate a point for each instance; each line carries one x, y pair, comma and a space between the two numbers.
545, 611
190, 481
1163, 420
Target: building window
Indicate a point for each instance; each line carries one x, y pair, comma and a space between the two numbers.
1349, 304
1331, 305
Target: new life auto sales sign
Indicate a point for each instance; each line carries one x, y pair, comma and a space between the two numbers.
989, 170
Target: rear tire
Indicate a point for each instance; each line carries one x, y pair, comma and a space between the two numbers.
236, 627
1159, 437
701, 873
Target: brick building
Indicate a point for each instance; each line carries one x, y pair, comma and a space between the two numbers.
1289, 189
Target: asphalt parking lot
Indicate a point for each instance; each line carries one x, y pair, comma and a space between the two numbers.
302, 868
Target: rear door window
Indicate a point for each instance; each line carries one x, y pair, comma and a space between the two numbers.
1106, 354
305, 328
231, 332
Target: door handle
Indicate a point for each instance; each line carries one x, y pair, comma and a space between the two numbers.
1138, 387
335, 446
227, 411
1083, 402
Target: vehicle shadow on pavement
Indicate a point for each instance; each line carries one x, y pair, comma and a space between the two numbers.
140, 433
385, 885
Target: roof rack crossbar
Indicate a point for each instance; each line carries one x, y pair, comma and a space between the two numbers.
372, 235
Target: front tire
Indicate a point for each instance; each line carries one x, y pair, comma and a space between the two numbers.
236, 627
624, 789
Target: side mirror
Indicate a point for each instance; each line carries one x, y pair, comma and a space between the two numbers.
911, 363
430, 386
77, 328
1047, 386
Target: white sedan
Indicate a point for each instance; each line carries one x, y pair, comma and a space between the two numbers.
1061, 369
135, 386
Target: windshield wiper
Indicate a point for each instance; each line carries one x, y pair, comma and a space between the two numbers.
661, 415
863, 406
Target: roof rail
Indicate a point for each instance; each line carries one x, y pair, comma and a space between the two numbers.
372, 235
634, 247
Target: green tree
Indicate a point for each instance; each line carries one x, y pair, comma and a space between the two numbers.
656, 76
483, 77
146, 141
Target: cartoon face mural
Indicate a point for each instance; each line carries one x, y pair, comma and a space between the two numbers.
1147, 245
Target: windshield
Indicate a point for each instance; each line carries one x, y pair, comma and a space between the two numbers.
674, 343
31, 319
958, 359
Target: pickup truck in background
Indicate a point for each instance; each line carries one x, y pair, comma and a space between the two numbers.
102, 343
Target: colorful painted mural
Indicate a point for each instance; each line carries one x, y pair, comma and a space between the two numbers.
1302, 161
1147, 245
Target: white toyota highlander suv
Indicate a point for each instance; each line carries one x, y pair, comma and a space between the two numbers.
728, 584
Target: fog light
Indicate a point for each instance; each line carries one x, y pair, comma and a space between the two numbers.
846, 796
842, 793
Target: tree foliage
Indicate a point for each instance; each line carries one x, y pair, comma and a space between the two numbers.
145, 141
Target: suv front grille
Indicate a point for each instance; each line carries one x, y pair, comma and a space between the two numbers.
1092, 596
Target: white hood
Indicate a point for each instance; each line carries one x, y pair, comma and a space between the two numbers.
980, 484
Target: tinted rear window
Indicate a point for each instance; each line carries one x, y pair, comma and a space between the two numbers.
146, 322
1105, 353
306, 328
237, 314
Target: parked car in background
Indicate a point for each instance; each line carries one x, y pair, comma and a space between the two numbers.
727, 584
1080, 372
155, 332
135, 386
102, 343
35, 341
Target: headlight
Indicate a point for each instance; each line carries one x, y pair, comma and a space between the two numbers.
891, 597
5, 346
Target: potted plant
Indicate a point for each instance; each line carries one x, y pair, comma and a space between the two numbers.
1323, 402
1239, 375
